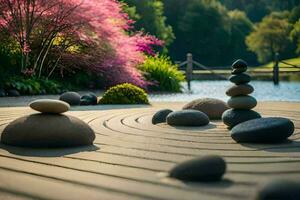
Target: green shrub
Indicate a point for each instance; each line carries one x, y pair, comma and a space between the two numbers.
163, 73
125, 93
32, 86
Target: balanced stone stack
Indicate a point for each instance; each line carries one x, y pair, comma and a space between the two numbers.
240, 102
48, 128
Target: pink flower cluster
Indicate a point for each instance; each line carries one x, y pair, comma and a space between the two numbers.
98, 24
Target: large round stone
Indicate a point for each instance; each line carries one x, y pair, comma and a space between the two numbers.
263, 130
161, 116
237, 90
208, 168
242, 102
233, 117
239, 64
49, 106
72, 98
89, 99
187, 118
240, 78
213, 108
239, 70
280, 189
47, 130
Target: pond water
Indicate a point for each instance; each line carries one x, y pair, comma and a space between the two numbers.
264, 91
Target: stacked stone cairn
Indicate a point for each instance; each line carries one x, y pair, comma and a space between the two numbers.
240, 102
48, 128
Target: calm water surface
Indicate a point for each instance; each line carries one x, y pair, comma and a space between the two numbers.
264, 91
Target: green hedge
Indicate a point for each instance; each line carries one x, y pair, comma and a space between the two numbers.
125, 93
33, 86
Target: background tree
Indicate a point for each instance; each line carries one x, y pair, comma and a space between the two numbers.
295, 35
149, 16
269, 37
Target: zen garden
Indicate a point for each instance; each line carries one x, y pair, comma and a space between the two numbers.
150, 99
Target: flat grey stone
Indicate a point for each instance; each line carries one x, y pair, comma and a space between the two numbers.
72, 98
240, 78
207, 168
242, 102
233, 117
161, 116
237, 90
280, 189
47, 130
213, 108
263, 130
50, 106
239, 64
187, 118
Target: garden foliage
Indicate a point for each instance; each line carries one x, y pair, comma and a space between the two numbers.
125, 93
57, 37
163, 73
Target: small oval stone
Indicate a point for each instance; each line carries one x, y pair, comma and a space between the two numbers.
49, 106
280, 189
239, 64
47, 130
13, 93
88, 99
232, 117
242, 102
263, 130
239, 70
240, 78
187, 118
237, 90
204, 169
161, 116
213, 108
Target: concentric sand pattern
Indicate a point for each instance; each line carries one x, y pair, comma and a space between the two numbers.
132, 157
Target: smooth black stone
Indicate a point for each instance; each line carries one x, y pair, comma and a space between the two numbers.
263, 130
89, 99
232, 117
13, 93
239, 70
161, 116
205, 169
240, 78
239, 64
2, 93
280, 189
72, 98
187, 118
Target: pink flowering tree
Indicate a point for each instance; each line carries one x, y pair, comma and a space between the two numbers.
61, 36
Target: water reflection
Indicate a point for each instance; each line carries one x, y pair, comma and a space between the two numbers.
264, 91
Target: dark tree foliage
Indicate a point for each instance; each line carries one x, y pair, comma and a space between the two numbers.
149, 16
208, 30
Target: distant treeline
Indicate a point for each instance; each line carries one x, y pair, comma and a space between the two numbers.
219, 31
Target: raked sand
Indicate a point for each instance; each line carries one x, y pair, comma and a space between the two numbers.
131, 158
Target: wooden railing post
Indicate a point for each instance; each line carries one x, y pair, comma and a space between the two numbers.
276, 70
189, 69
